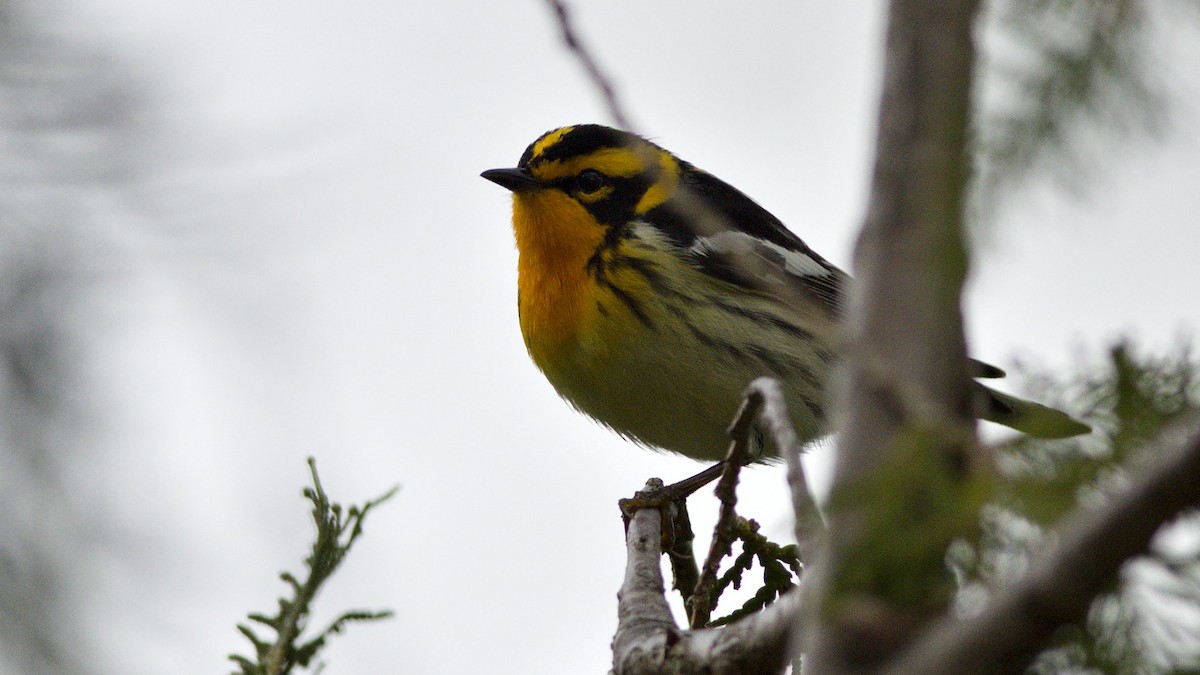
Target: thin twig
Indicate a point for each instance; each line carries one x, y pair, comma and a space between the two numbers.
337, 530
764, 397
602, 82
685, 573
810, 526
647, 639
702, 218
753, 639
725, 531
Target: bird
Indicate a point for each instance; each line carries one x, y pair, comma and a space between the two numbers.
650, 293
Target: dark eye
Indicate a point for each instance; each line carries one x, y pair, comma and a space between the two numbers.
589, 181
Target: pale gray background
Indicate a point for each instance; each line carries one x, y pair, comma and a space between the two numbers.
315, 267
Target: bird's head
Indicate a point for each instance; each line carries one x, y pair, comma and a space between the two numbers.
588, 176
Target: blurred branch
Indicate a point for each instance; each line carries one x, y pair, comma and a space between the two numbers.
1061, 586
1052, 69
71, 115
905, 399
335, 535
1148, 620
594, 73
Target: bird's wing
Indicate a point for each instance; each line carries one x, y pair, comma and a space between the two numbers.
744, 244
729, 236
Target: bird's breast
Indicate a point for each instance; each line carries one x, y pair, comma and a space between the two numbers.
555, 239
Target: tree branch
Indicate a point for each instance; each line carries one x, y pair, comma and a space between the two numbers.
648, 640
904, 331
1059, 588
905, 399
643, 617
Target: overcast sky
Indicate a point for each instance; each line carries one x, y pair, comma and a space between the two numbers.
316, 268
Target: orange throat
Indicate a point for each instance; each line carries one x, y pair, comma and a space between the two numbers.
555, 239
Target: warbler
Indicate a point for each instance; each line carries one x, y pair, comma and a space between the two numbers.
650, 293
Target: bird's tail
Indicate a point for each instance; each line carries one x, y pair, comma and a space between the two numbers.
1033, 419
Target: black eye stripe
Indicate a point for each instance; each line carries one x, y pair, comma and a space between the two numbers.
622, 184
614, 208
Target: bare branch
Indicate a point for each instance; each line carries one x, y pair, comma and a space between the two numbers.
1060, 587
575, 45
643, 616
810, 526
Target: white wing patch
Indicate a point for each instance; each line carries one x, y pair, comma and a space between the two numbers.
798, 263
739, 244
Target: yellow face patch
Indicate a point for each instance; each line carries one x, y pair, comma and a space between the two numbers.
593, 197
662, 189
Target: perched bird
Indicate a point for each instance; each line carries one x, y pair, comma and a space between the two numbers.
650, 293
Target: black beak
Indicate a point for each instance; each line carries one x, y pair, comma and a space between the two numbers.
517, 180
